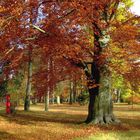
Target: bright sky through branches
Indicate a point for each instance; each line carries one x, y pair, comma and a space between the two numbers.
136, 7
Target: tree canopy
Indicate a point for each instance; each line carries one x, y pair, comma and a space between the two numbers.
96, 36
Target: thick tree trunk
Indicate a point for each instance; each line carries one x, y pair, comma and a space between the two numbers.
28, 87
100, 108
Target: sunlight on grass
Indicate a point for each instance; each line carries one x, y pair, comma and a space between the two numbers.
130, 135
65, 122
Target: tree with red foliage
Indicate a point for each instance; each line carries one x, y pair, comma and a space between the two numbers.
86, 35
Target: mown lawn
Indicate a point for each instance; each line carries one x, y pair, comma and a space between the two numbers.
129, 135
65, 122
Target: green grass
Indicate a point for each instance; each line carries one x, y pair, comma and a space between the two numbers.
129, 135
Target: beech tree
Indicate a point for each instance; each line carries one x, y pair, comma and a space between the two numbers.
85, 35
107, 28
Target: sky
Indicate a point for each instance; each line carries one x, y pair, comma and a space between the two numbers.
136, 7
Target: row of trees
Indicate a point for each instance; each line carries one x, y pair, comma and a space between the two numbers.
64, 39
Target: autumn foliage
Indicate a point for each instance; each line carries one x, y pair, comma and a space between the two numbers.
66, 37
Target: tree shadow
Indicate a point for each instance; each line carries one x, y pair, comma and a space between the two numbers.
31, 117
4, 135
132, 122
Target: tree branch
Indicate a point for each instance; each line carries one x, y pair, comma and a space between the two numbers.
38, 28
71, 11
6, 53
114, 10
97, 28
80, 64
130, 19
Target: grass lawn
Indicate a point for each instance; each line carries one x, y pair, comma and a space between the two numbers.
65, 122
129, 135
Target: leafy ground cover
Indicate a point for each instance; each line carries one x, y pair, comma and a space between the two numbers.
65, 122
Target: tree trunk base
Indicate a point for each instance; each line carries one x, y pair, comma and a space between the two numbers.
107, 119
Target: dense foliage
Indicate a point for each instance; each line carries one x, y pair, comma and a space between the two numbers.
63, 39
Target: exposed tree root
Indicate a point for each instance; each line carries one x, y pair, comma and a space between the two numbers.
107, 119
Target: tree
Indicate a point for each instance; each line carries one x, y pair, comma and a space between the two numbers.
103, 18
9, 56
83, 35
15, 87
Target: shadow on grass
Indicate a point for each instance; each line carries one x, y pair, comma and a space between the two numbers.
6, 136
34, 117
31, 117
135, 121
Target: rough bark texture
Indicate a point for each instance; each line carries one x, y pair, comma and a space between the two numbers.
100, 110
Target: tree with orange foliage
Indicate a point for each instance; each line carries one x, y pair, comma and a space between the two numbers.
108, 30
86, 35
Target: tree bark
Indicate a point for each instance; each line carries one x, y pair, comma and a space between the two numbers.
28, 87
71, 93
47, 101
118, 95
100, 109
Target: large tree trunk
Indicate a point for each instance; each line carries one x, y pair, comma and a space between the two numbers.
100, 108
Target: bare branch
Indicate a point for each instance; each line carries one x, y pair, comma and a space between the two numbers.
38, 28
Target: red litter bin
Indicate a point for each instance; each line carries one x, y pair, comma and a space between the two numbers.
8, 104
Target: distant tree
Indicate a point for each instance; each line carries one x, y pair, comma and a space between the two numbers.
15, 87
